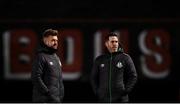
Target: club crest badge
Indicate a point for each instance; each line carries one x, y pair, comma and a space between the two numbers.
119, 65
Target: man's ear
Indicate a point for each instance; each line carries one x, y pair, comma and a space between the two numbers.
106, 44
45, 40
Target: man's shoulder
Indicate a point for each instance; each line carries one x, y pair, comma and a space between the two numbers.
41, 55
124, 54
100, 57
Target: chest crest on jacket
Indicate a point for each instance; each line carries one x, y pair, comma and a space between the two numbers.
119, 64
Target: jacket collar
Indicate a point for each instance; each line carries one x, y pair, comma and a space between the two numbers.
45, 49
120, 50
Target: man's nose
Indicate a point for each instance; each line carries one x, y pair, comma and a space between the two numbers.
114, 43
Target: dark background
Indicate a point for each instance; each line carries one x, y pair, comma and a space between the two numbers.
76, 13
89, 8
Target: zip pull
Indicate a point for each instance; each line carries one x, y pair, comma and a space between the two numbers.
110, 79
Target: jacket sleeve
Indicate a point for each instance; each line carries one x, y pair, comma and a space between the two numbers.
37, 73
94, 77
130, 74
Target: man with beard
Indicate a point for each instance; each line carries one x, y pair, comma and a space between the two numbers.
113, 74
46, 70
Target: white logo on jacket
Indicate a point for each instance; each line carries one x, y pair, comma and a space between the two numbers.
119, 65
51, 63
60, 63
102, 65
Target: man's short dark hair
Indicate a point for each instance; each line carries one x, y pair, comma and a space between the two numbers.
110, 34
49, 32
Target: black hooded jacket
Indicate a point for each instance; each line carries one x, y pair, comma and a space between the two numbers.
113, 76
46, 76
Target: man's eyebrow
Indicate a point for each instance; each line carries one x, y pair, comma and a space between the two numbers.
54, 39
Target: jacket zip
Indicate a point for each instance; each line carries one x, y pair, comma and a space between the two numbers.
110, 76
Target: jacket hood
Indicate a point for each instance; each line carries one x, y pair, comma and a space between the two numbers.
120, 48
44, 48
